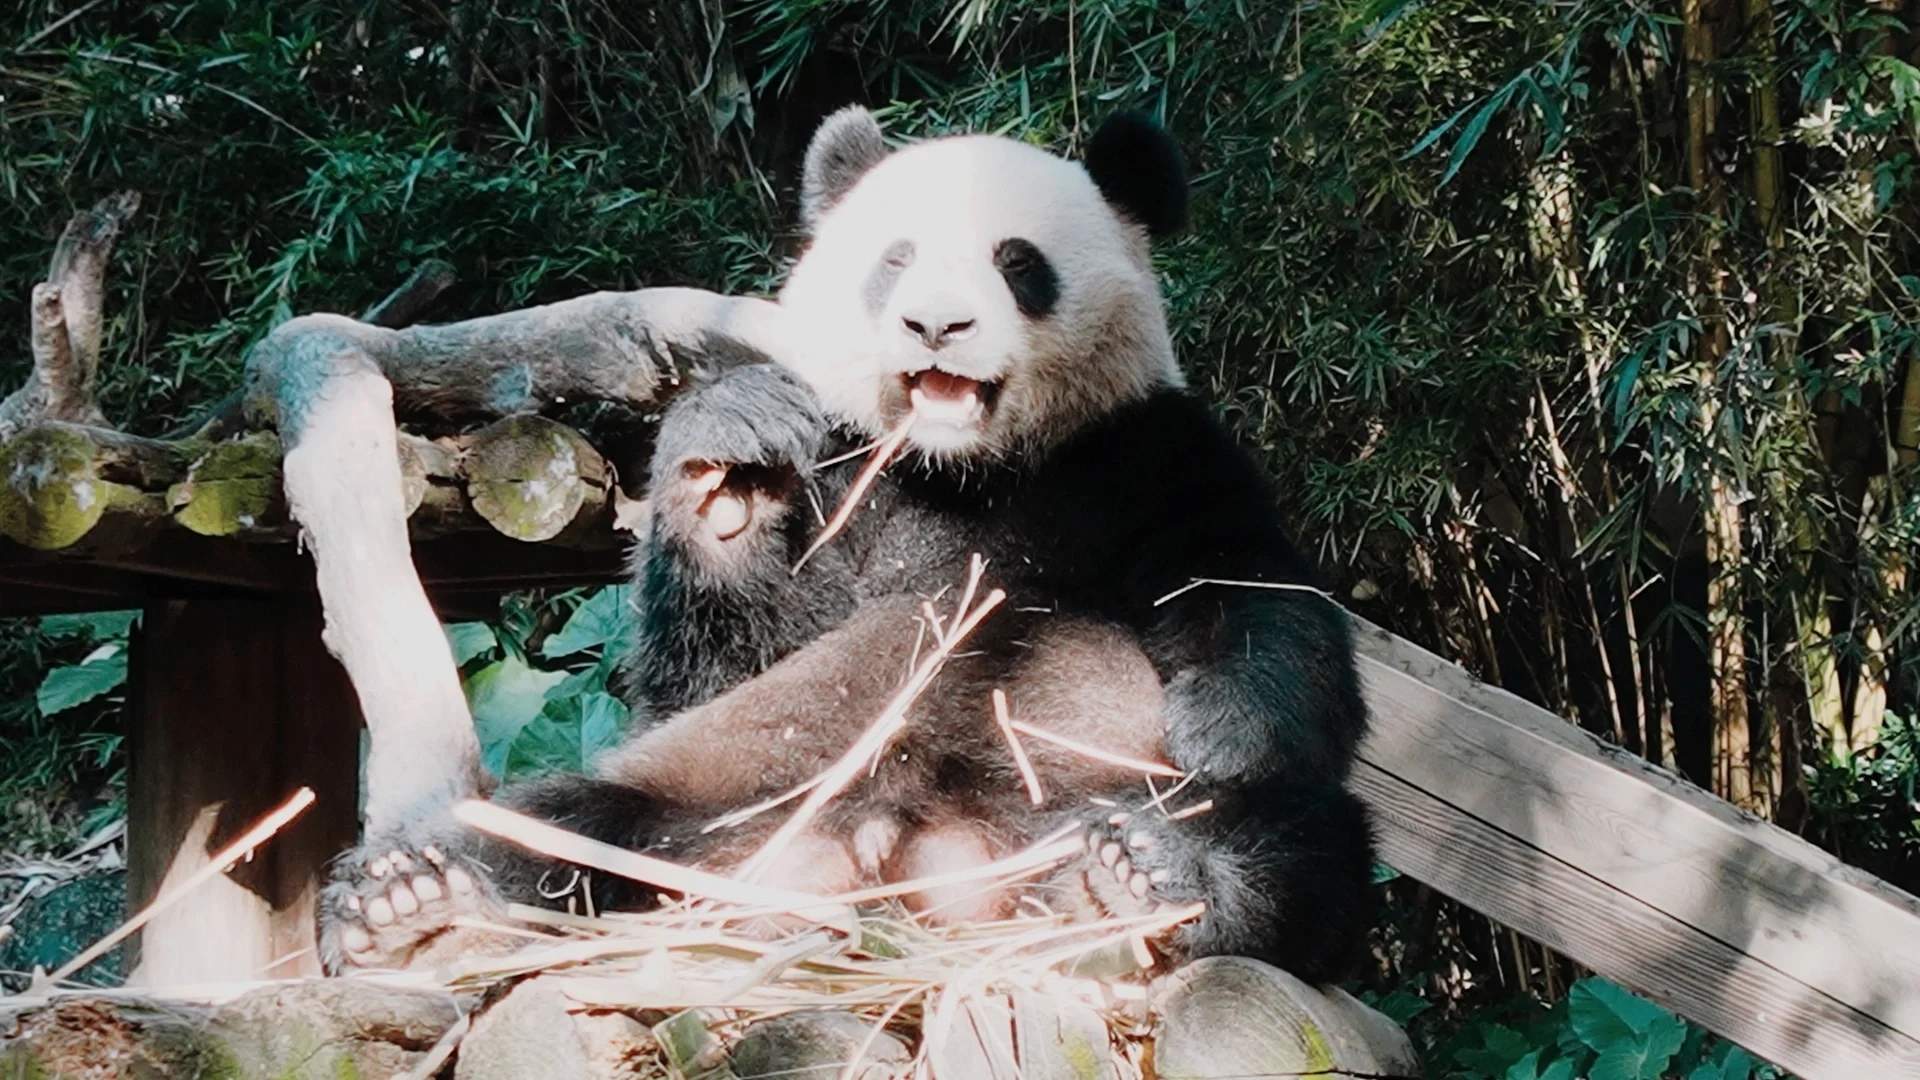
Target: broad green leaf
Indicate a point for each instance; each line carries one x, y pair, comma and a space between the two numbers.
1401, 1006
94, 625
505, 697
604, 618
1501, 1047
1641, 1057
1603, 1015
470, 639
1527, 1068
65, 687
603, 721
567, 735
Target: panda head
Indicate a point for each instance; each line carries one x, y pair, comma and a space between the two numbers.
1002, 293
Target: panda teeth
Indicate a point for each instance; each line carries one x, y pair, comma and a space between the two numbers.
964, 409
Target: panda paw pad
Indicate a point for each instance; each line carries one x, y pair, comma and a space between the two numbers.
1132, 869
390, 907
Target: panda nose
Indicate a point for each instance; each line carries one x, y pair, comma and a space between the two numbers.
937, 331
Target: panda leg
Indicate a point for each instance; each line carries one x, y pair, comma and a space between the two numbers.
1285, 876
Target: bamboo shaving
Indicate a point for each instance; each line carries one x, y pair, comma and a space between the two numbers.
1195, 810
1020, 760
882, 455
585, 851
1151, 768
1283, 586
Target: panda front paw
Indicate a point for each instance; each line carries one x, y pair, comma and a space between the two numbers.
760, 414
398, 906
730, 456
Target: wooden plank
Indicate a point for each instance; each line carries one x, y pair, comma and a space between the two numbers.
233, 704
1627, 940
1653, 837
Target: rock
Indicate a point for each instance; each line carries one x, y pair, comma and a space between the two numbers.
1228, 1016
1058, 1041
817, 1046
527, 1035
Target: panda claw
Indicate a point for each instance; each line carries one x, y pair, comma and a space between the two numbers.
1159, 877
377, 866
1109, 851
1123, 870
399, 861
432, 855
402, 898
1139, 884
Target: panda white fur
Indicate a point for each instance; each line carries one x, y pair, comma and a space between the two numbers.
1006, 296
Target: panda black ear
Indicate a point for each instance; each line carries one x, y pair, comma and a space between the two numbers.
844, 147
1138, 167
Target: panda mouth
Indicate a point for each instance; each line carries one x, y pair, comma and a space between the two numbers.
943, 397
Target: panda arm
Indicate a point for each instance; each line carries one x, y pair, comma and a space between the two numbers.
1260, 682
717, 604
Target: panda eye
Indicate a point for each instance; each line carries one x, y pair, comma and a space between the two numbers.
1015, 260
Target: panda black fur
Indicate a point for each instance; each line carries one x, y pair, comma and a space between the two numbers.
1008, 294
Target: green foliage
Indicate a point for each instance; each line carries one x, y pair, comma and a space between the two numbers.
1597, 1032
1866, 803
99, 672
531, 719
60, 735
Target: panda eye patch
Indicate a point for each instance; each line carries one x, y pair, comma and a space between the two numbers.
886, 274
1029, 276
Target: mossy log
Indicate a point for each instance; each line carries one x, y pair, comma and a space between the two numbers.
84, 489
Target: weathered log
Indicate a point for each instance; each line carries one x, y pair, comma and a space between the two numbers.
62, 479
312, 1030
533, 479
1228, 1016
526, 477
64, 323
233, 487
331, 385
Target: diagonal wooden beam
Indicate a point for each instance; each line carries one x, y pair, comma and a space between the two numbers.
1729, 921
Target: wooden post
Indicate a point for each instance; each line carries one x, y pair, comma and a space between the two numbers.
234, 703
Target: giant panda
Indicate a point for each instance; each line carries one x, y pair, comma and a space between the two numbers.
1005, 297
